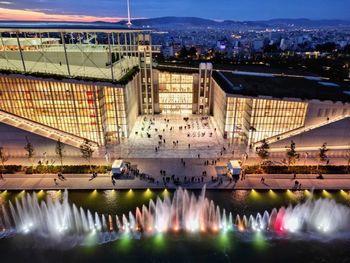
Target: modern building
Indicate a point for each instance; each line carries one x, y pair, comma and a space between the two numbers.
83, 82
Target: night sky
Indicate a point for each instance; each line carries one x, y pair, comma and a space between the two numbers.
113, 10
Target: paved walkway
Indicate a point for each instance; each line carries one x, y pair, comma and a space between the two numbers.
196, 135
193, 168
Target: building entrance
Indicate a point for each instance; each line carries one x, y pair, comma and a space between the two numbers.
175, 93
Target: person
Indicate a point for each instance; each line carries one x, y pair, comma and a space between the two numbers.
320, 176
55, 180
295, 176
1, 177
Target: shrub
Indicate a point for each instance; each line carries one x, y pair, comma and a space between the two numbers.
11, 169
29, 170
299, 169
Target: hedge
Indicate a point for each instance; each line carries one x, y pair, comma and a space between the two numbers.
299, 169
66, 169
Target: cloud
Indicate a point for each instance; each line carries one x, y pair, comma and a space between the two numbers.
37, 15
6, 3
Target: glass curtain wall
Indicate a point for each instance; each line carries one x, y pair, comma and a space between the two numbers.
273, 117
237, 118
175, 93
89, 111
257, 119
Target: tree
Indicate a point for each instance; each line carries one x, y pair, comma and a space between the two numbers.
183, 52
347, 49
263, 150
3, 159
59, 151
326, 47
271, 48
86, 151
292, 155
30, 150
322, 155
348, 158
192, 52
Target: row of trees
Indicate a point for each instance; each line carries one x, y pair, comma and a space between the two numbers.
85, 149
293, 156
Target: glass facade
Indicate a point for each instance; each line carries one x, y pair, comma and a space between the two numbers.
257, 119
237, 118
272, 117
86, 110
175, 93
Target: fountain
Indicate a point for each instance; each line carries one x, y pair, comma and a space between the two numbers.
57, 220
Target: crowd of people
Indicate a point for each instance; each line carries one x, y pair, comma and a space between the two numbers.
162, 131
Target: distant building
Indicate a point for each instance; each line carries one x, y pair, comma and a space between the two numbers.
258, 45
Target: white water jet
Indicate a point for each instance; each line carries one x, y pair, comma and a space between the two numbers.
56, 220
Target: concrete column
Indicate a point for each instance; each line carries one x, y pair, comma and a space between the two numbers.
116, 114
234, 122
110, 55
65, 53
21, 53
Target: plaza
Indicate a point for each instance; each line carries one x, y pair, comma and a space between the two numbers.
174, 136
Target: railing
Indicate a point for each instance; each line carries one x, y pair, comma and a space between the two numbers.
89, 48
300, 130
43, 130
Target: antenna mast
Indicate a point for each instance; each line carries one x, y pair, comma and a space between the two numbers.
129, 24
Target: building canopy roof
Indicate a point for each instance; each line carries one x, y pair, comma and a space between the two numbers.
65, 27
12, 41
279, 86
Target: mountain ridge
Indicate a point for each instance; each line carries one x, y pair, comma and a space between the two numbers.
196, 21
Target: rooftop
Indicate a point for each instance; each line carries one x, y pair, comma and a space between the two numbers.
175, 69
281, 86
64, 27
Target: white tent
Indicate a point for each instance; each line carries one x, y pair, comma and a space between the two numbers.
234, 167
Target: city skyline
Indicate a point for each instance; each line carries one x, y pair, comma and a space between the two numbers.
113, 11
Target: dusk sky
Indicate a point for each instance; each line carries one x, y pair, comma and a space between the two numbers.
114, 10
